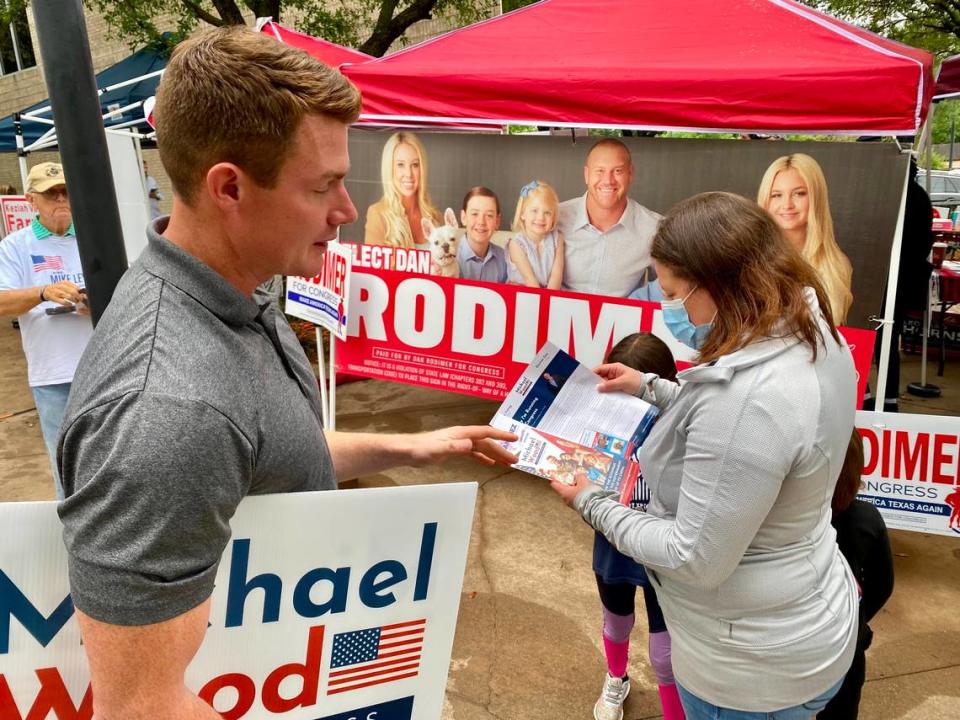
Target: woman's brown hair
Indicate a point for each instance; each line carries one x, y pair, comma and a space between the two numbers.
848, 484
734, 249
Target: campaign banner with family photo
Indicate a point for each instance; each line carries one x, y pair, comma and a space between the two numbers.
912, 470
475, 250
402, 184
327, 606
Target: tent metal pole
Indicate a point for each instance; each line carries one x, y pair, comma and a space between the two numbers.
953, 135
109, 88
41, 120
322, 378
926, 140
332, 394
923, 388
333, 381
891, 299
103, 90
21, 152
68, 68
131, 81
122, 110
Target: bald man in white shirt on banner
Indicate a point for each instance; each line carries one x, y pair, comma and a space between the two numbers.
607, 234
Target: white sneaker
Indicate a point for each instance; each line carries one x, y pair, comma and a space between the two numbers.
610, 704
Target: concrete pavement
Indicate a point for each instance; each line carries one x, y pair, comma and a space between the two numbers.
528, 641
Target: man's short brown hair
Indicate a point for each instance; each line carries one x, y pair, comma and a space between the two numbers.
235, 95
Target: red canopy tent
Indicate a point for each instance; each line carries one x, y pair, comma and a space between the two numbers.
754, 65
336, 55
761, 65
323, 50
948, 81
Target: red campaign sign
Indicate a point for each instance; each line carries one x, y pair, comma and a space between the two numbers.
16, 213
476, 338
861, 345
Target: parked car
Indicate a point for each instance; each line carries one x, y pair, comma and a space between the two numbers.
944, 187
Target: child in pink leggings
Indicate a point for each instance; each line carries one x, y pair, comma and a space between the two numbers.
618, 576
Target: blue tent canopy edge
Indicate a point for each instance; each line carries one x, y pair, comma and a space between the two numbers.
142, 62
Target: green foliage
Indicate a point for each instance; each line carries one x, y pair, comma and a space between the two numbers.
342, 25
683, 134
509, 5
350, 23
146, 22
933, 25
604, 132
943, 113
368, 25
10, 9
820, 138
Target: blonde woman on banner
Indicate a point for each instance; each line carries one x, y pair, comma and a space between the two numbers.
794, 191
395, 219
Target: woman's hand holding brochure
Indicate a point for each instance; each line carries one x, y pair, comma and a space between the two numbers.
618, 377
568, 492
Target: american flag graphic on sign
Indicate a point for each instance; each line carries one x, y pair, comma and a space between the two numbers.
376, 655
46, 262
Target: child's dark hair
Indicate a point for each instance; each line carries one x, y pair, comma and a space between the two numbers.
848, 484
645, 352
481, 191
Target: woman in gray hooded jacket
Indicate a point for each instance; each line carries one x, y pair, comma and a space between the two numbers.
741, 466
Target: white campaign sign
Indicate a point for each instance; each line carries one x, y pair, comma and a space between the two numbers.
323, 300
327, 606
912, 470
17, 213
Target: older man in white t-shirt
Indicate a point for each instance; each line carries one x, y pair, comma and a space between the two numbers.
40, 273
607, 235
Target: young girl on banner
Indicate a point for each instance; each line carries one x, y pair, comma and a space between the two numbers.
618, 576
535, 252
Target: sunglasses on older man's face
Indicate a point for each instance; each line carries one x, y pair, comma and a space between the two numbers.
54, 194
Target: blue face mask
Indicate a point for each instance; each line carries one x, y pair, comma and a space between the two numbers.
678, 323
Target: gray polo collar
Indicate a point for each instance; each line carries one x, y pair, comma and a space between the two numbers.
197, 279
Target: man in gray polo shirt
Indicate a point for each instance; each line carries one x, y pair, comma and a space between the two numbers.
192, 394
607, 235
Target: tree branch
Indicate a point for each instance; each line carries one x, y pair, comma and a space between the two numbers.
229, 12
202, 14
389, 28
264, 8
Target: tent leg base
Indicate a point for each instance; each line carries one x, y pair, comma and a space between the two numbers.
924, 390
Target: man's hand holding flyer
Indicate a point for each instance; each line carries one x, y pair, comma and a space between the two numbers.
567, 428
